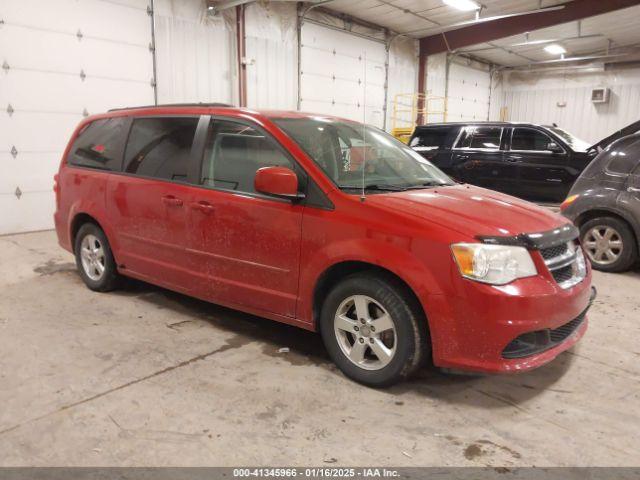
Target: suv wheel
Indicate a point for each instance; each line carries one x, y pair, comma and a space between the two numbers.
94, 259
373, 330
609, 243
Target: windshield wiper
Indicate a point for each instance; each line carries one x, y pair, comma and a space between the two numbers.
376, 186
427, 185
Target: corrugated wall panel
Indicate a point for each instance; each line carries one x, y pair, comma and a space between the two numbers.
536, 98
196, 59
272, 56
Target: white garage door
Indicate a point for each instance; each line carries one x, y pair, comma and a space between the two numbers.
339, 71
468, 94
61, 59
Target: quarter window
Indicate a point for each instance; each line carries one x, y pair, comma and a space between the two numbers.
234, 152
99, 144
529, 140
159, 147
430, 139
621, 163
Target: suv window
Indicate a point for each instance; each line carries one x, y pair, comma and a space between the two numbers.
99, 144
430, 138
234, 152
480, 137
159, 147
529, 139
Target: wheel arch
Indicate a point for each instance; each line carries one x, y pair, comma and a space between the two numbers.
343, 269
603, 212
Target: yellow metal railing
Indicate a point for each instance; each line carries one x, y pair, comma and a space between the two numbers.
408, 107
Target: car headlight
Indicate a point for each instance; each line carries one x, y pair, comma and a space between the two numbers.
494, 264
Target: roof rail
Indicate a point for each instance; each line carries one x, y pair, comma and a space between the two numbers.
199, 104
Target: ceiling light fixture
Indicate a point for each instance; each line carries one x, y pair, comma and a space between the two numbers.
464, 5
555, 49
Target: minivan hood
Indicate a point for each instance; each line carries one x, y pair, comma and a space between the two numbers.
470, 210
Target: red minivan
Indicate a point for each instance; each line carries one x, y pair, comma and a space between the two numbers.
326, 224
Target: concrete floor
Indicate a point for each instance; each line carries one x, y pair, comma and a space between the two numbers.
144, 376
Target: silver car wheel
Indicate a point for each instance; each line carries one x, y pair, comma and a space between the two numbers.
365, 332
603, 244
92, 257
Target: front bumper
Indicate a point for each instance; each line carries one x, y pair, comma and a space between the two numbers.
477, 330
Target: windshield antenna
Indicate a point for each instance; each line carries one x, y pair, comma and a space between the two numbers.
364, 126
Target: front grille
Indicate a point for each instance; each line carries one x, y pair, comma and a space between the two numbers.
532, 343
563, 274
565, 263
555, 251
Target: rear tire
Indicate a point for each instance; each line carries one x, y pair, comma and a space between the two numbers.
609, 244
94, 259
373, 329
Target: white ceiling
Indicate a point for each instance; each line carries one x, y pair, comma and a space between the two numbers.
417, 17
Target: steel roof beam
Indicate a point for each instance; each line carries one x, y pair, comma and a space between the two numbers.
487, 31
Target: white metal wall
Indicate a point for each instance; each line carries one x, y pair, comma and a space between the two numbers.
195, 53
61, 59
539, 99
339, 72
403, 79
272, 56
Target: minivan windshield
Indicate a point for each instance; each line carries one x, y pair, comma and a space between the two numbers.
343, 149
574, 142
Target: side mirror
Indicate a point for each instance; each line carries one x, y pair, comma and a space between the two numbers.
277, 181
554, 147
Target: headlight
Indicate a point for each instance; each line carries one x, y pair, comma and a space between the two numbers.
494, 264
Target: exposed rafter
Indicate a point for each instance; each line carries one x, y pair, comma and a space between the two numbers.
486, 31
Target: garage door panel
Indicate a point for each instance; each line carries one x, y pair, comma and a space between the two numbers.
37, 131
39, 49
126, 21
32, 211
30, 171
49, 96
340, 71
59, 54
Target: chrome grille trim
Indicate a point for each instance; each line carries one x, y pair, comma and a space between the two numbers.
558, 265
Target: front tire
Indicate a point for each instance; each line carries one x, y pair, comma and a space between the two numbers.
94, 259
374, 329
609, 244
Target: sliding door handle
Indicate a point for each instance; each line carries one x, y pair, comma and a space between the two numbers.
171, 201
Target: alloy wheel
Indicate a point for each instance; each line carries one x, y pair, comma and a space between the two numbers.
365, 331
603, 244
92, 257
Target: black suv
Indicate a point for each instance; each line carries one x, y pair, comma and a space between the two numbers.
534, 162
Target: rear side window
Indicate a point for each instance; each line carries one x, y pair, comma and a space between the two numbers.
480, 137
430, 139
621, 163
529, 139
234, 152
99, 145
159, 147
